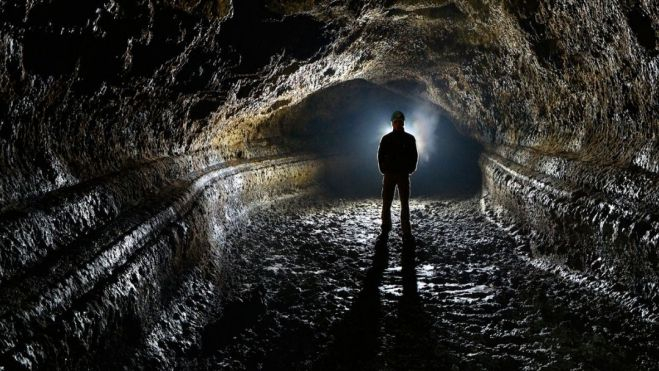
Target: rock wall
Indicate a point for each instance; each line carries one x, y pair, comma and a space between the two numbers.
114, 196
563, 96
77, 294
91, 88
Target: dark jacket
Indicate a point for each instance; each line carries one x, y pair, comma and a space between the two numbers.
397, 153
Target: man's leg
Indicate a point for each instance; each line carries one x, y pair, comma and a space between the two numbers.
403, 183
388, 186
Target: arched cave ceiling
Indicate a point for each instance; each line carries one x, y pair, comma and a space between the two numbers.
96, 86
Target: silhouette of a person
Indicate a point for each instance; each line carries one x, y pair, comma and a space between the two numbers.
397, 159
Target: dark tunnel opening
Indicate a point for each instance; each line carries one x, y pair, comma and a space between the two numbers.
347, 120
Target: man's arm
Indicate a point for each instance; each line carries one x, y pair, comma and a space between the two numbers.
414, 157
382, 156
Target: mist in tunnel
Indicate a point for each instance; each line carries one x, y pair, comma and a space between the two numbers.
349, 119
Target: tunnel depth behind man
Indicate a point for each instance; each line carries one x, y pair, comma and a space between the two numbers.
397, 159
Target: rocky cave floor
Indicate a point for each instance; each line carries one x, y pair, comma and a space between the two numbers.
316, 288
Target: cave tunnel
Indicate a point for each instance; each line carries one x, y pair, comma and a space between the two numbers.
195, 185
345, 122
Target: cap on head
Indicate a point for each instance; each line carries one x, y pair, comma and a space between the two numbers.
397, 115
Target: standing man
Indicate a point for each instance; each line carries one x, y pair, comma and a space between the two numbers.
397, 157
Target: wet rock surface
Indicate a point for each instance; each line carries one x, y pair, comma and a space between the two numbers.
315, 288
89, 302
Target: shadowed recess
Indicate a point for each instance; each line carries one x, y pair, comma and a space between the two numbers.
347, 120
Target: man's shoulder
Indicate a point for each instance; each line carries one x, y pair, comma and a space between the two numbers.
388, 136
397, 135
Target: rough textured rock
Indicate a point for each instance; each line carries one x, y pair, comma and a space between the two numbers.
316, 290
95, 289
113, 112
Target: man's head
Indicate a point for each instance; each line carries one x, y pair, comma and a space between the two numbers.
397, 120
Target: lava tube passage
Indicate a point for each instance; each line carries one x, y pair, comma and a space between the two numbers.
329, 185
347, 122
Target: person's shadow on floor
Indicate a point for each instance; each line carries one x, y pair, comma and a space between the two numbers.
356, 337
415, 343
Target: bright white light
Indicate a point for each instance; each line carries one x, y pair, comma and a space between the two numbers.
385, 129
421, 123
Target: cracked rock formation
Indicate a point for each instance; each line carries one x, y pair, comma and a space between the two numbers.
135, 136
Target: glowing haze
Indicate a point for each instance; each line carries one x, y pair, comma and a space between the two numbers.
421, 122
